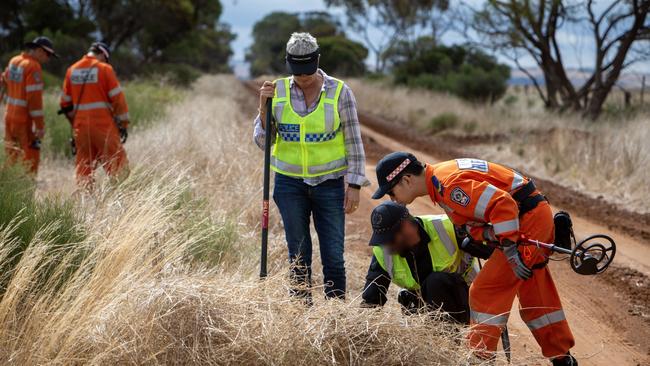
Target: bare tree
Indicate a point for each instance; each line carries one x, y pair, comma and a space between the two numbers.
393, 20
531, 28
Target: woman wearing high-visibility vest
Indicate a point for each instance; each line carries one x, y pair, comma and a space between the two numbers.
318, 159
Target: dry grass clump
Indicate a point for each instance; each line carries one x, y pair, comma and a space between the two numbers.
138, 298
607, 158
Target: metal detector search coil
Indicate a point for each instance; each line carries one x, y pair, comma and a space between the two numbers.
590, 256
593, 255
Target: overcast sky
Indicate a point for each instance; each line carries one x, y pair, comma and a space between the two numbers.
243, 14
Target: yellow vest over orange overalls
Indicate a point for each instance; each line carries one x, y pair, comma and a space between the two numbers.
475, 192
24, 97
92, 89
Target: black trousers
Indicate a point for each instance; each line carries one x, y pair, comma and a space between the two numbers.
445, 291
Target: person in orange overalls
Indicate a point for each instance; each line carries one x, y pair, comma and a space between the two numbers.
96, 106
497, 204
23, 87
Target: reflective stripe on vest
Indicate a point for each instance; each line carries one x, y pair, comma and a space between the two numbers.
546, 319
444, 237
388, 261
472, 270
497, 320
312, 145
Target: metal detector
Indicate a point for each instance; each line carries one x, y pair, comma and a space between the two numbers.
267, 183
590, 256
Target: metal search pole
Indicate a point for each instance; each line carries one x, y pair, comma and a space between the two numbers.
267, 183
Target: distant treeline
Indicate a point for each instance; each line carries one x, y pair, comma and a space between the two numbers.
180, 38
461, 70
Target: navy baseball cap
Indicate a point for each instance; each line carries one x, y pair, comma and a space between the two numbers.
101, 47
44, 43
303, 64
386, 219
390, 169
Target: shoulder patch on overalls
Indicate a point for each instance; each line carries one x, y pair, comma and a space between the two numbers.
460, 197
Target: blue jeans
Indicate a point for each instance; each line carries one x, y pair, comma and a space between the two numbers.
297, 202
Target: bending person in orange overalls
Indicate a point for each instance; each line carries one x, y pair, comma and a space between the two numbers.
96, 106
500, 205
23, 87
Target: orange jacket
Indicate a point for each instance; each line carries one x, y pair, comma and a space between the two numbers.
92, 89
476, 192
24, 90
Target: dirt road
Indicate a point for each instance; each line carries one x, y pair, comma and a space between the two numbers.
607, 329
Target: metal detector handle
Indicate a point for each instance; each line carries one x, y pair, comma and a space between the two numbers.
267, 183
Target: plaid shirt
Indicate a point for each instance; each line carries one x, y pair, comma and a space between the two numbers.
356, 171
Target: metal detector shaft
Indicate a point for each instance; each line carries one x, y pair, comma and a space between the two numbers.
552, 247
267, 184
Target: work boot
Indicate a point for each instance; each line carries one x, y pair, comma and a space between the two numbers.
567, 360
303, 296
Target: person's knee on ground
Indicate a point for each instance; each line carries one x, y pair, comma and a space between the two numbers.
449, 293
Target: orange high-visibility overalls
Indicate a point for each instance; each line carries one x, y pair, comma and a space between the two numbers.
92, 89
24, 98
475, 192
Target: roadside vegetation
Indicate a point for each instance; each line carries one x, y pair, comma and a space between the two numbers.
607, 159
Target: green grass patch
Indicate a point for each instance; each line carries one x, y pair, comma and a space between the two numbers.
211, 239
443, 121
23, 218
147, 100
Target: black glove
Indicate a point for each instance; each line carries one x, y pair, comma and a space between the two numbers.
124, 134
475, 249
514, 259
471, 246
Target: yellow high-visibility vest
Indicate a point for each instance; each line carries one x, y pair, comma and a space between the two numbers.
443, 249
312, 145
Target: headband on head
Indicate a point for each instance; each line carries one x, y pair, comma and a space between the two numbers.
303, 59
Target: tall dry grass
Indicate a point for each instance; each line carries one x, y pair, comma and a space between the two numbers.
141, 295
606, 158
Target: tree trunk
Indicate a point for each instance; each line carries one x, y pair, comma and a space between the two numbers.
595, 106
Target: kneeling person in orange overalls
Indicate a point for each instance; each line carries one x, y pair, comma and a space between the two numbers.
498, 204
96, 106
